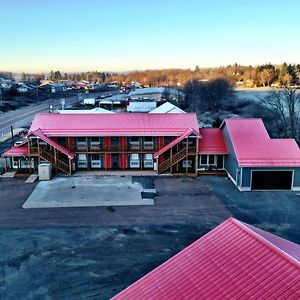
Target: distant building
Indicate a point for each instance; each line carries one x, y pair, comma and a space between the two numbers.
141, 105
54, 87
96, 110
167, 108
6, 84
157, 93
23, 88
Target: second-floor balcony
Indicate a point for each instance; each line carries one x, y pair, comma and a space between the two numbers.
146, 147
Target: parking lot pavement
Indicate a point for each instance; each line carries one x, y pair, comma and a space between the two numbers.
179, 200
95, 252
274, 211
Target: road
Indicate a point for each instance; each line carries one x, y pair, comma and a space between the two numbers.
23, 117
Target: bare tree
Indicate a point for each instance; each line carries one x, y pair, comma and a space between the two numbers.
266, 76
284, 107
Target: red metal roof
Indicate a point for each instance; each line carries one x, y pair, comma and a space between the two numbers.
212, 141
15, 151
118, 124
229, 262
39, 133
176, 141
288, 247
253, 146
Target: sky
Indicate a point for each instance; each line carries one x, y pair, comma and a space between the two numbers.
74, 36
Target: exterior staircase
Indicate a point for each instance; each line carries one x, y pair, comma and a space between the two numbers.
57, 162
177, 157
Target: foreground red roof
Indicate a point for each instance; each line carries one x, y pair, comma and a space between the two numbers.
115, 124
212, 141
16, 151
230, 262
253, 146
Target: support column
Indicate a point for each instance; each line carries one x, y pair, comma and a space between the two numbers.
55, 160
187, 155
70, 166
38, 144
171, 159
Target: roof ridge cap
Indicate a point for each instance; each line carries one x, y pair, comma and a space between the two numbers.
261, 239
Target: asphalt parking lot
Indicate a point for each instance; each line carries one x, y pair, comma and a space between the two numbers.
94, 252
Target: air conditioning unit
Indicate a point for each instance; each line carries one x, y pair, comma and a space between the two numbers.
134, 164
148, 163
82, 164
96, 164
187, 163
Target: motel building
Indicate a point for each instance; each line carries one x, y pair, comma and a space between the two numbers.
162, 142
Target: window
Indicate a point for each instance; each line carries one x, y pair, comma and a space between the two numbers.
134, 139
95, 157
148, 139
81, 139
211, 160
16, 163
203, 160
187, 142
95, 161
82, 161
81, 157
220, 162
148, 157
134, 156
95, 139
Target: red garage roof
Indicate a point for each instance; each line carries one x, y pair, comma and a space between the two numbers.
253, 146
115, 124
212, 141
15, 151
230, 262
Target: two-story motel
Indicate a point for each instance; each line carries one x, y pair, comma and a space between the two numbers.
165, 143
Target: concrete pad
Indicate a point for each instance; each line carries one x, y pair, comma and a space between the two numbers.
115, 173
151, 191
8, 175
87, 191
32, 178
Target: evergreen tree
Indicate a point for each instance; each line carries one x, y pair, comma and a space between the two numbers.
282, 73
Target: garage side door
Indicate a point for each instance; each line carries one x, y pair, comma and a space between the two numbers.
272, 180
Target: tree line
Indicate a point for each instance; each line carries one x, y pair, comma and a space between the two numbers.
248, 76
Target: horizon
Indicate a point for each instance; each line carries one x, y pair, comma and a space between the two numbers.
145, 70
81, 37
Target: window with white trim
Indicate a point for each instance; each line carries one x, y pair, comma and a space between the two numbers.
203, 159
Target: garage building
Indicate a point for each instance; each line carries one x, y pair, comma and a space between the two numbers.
257, 162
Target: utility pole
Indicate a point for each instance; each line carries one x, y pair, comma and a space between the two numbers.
37, 94
12, 135
1, 99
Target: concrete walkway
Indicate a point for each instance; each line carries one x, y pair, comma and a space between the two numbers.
116, 173
87, 191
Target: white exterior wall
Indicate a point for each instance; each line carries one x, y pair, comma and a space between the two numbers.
141, 106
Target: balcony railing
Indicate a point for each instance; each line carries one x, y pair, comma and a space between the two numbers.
116, 148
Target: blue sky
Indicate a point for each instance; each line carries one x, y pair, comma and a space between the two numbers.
84, 35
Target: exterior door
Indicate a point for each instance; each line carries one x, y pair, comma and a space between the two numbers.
115, 161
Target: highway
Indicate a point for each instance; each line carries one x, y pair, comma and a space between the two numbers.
23, 116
